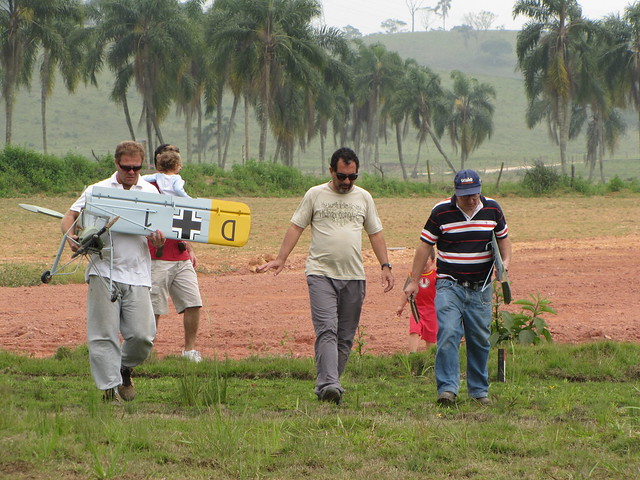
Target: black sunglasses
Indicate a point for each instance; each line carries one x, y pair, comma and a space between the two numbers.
126, 168
343, 176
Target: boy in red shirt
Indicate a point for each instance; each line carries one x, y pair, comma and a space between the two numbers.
427, 328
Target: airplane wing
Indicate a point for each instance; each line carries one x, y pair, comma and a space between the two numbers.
202, 220
501, 272
37, 209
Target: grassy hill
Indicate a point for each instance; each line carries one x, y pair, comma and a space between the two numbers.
88, 121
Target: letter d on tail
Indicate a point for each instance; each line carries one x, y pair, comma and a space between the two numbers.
228, 230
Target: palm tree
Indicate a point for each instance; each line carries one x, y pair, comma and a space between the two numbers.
622, 57
442, 9
63, 49
420, 98
24, 26
471, 120
282, 45
546, 50
377, 72
229, 64
194, 82
152, 38
596, 101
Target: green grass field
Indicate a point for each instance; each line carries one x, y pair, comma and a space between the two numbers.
566, 412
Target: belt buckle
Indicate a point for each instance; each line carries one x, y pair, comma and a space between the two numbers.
466, 284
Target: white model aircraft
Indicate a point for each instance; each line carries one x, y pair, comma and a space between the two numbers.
109, 210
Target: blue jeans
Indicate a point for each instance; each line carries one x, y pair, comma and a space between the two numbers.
462, 311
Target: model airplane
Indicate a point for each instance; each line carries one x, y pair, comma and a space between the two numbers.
200, 220
109, 210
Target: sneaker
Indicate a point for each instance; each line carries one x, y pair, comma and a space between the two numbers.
484, 401
193, 355
331, 394
110, 395
127, 391
446, 399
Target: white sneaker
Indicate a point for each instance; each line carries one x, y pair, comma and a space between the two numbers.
193, 355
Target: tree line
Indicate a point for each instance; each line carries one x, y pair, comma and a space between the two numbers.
301, 81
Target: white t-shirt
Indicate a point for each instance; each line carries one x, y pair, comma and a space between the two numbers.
131, 258
337, 220
168, 184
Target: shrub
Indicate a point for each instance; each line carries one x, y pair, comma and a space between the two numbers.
580, 185
526, 327
540, 179
615, 184
30, 172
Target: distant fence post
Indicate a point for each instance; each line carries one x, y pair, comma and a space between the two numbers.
499, 177
502, 365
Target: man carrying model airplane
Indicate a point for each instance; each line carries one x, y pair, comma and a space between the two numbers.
128, 265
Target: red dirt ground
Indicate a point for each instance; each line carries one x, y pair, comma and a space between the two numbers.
593, 285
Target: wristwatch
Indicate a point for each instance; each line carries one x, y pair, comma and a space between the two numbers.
385, 265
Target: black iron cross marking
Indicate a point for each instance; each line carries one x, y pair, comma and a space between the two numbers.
186, 224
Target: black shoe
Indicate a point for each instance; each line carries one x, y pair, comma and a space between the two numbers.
484, 401
331, 394
446, 399
127, 391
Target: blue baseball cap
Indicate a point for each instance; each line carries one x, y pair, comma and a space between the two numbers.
467, 182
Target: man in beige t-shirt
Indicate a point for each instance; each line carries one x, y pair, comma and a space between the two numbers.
337, 211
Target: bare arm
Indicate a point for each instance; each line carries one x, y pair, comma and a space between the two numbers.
288, 243
380, 249
504, 244
423, 252
403, 302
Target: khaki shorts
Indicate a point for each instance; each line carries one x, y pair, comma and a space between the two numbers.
175, 279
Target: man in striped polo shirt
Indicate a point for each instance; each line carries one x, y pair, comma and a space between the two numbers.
461, 227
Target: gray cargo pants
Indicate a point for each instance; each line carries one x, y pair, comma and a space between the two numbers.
132, 315
335, 312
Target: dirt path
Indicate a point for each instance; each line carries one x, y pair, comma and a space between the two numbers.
593, 285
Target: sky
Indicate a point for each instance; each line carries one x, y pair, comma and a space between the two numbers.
366, 15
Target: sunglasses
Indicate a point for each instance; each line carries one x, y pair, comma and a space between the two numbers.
343, 176
127, 168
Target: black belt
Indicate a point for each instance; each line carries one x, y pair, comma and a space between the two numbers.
467, 284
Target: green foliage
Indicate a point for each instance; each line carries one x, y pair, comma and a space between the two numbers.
526, 327
28, 275
19, 275
615, 184
25, 172
203, 179
360, 340
541, 179
580, 185
211, 392
269, 179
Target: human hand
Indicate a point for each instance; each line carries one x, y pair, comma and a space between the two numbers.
387, 280
411, 289
156, 239
276, 265
73, 241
